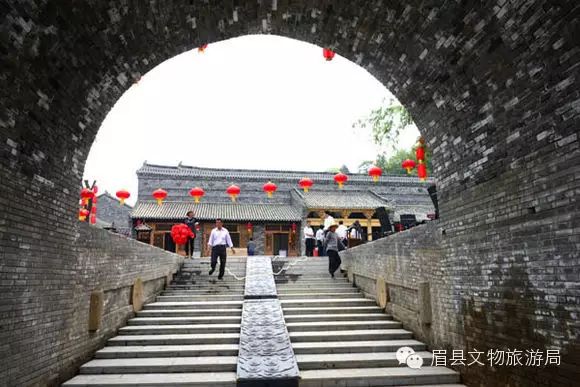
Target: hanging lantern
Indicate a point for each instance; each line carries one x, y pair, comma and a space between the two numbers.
305, 183
159, 195
86, 195
123, 195
340, 178
422, 171
294, 228
270, 188
94, 210
328, 54
93, 218
375, 172
409, 165
83, 213
249, 227
196, 193
202, 48
420, 153
233, 191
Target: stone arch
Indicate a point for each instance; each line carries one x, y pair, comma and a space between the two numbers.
491, 85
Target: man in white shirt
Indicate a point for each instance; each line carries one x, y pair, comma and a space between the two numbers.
320, 241
341, 233
309, 240
328, 220
219, 239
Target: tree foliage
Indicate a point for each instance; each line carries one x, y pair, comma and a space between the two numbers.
386, 122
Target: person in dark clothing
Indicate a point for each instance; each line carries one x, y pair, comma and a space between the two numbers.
320, 241
191, 223
333, 246
251, 247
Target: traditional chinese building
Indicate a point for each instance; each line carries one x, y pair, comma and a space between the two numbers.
275, 223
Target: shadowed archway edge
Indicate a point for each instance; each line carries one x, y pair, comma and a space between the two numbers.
491, 85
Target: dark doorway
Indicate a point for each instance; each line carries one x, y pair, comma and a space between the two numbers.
169, 244
280, 243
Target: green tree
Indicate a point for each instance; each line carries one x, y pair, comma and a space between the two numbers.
386, 122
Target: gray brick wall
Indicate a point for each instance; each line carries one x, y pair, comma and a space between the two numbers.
45, 308
492, 86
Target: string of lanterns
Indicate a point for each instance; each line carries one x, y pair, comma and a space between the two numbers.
421, 163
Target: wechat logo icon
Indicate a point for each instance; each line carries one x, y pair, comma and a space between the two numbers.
407, 355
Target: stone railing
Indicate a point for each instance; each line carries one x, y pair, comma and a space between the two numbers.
401, 272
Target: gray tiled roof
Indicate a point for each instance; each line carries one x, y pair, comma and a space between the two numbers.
294, 176
211, 211
341, 199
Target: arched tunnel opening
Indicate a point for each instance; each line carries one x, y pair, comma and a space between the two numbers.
493, 86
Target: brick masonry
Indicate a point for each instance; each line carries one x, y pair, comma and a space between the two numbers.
45, 305
492, 85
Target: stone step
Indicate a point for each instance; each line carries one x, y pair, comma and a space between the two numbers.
160, 364
167, 351
196, 305
316, 295
342, 347
350, 335
341, 325
327, 302
298, 310
354, 360
385, 376
301, 287
204, 297
179, 329
185, 320
310, 278
222, 379
337, 317
176, 339
201, 291
189, 312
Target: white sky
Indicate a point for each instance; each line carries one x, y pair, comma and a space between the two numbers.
258, 101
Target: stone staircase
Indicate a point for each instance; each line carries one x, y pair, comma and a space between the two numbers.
341, 338
188, 336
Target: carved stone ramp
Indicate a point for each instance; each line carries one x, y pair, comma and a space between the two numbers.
266, 357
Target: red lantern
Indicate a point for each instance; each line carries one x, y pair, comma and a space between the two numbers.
375, 172
250, 227
86, 195
422, 171
159, 195
409, 165
83, 213
93, 219
305, 183
202, 48
123, 195
95, 189
270, 188
294, 228
94, 210
328, 54
180, 233
233, 191
197, 193
420, 153
340, 178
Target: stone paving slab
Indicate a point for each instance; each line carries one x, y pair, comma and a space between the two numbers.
137, 351
259, 278
265, 353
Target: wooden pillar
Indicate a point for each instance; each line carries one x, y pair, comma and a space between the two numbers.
369, 216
